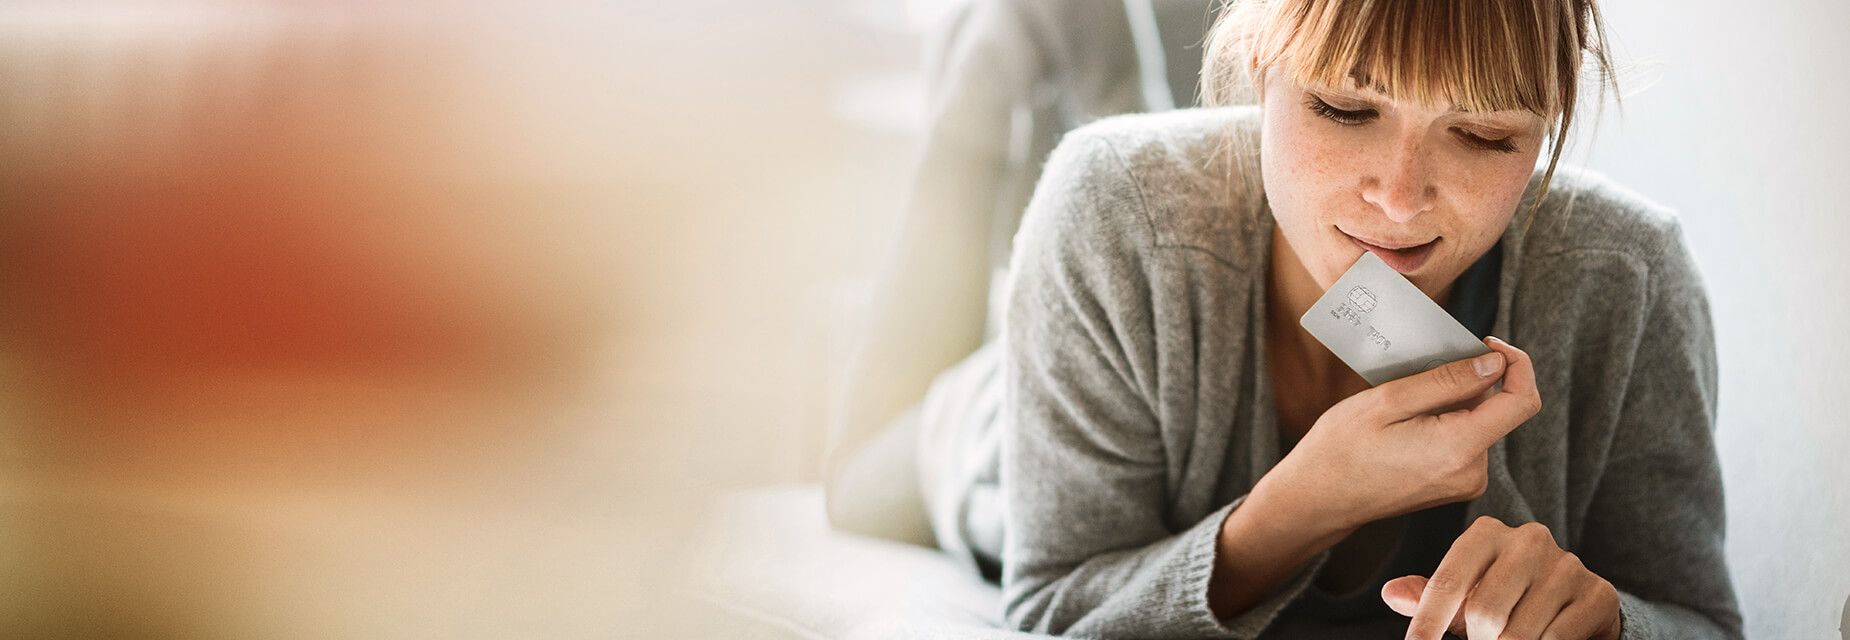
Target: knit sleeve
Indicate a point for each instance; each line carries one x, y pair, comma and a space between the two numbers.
1654, 527
1089, 550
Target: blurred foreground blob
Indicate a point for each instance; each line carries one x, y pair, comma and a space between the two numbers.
295, 304
211, 213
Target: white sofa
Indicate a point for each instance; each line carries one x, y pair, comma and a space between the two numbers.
767, 559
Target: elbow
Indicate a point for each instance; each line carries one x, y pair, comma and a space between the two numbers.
1018, 616
1025, 605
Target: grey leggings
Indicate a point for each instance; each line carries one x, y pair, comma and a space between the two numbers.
931, 474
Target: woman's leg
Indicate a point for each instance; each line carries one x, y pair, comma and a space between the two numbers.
960, 437
931, 475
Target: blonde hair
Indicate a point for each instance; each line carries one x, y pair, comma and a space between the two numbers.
1480, 55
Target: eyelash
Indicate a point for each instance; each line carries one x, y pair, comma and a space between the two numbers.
1351, 118
1339, 116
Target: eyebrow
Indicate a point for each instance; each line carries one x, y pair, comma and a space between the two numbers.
1362, 80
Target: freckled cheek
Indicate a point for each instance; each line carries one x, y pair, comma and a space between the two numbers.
1311, 181
1317, 171
1480, 174
1483, 194
1488, 190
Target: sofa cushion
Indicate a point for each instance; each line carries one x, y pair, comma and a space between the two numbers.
768, 556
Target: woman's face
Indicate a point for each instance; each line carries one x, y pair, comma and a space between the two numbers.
1427, 188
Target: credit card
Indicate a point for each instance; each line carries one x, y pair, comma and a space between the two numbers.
1383, 327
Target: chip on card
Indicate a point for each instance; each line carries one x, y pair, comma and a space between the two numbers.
1385, 328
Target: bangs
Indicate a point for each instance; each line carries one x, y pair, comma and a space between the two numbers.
1477, 55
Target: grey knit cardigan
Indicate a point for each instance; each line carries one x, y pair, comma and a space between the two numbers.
1141, 414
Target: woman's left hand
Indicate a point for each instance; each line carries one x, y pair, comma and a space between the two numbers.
1507, 582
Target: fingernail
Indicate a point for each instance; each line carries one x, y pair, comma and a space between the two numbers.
1499, 340
1487, 364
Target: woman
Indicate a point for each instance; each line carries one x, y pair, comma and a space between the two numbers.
1184, 460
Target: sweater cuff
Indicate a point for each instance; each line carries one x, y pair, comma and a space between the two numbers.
1636, 618
1200, 550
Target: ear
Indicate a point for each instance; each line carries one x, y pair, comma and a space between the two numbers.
1844, 627
1255, 77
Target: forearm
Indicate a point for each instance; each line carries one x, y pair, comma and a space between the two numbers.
1263, 542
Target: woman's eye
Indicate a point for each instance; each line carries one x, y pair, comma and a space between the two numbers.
1340, 116
1499, 144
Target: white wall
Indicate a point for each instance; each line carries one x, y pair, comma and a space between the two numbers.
1746, 132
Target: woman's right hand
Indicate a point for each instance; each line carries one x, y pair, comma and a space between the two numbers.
1396, 448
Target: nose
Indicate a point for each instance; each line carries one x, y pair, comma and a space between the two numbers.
1401, 185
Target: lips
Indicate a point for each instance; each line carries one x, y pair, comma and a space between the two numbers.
1403, 257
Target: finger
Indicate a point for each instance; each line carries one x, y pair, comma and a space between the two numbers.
1403, 596
1469, 404
1502, 413
1521, 371
1461, 569
1580, 619
1430, 391
1487, 611
1544, 602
